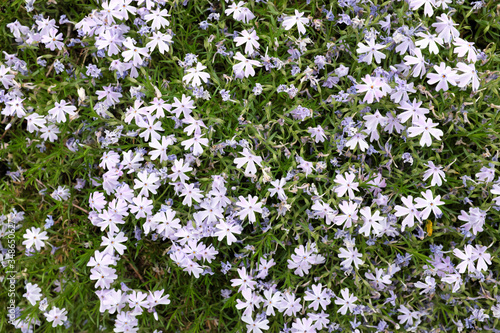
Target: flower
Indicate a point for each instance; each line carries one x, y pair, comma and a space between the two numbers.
249, 207
375, 88
257, 325
249, 39
426, 128
436, 172
32, 293
446, 28
36, 237
250, 160
444, 76
318, 296
429, 204
297, 19
147, 182
160, 40
347, 301
244, 68
196, 75
410, 211
372, 51
56, 316
225, 229
347, 184
351, 255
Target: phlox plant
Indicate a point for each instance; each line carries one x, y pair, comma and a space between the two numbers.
249, 166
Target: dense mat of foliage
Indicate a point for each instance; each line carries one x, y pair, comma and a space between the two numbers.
300, 166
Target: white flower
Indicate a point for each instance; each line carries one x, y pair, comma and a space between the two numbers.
245, 67
56, 316
297, 19
249, 39
35, 236
372, 51
196, 75
347, 302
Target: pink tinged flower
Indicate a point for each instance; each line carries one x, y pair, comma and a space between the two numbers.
160, 148
157, 298
426, 128
184, 106
475, 219
317, 133
35, 237
409, 211
60, 109
113, 242
428, 286
137, 300
304, 325
245, 67
251, 301
15, 106
179, 170
486, 174
290, 305
196, 75
372, 51
141, 206
278, 189
463, 47
245, 281
297, 19
412, 110
271, 301
196, 142
347, 301
443, 76
249, 206
454, 279
56, 316
380, 279
6, 79
429, 204
190, 193
250, 160
407, 315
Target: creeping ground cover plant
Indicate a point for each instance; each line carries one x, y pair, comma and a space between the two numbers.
250, 166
